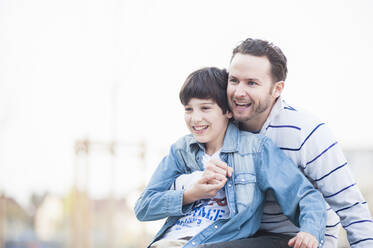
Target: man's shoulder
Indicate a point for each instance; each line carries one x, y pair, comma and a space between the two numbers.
292, 129
298, 118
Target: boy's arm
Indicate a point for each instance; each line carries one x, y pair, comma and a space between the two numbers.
203, 189
298, 199
324, 163
158, 201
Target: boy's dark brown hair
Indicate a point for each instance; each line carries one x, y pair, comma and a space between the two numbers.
206, 83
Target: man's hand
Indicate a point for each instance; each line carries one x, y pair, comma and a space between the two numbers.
303, 240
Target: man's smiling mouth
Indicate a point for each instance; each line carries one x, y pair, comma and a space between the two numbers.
241, 105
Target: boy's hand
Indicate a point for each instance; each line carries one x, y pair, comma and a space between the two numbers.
217, 167
202, 189
303, 240
213, 179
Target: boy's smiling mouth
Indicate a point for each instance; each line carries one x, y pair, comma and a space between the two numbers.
200, 128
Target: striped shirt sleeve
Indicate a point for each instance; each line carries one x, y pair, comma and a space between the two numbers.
325, 165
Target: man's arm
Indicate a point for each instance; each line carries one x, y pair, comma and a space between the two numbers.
298, 199
324, 163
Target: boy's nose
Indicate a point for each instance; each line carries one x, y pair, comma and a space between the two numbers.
196, 117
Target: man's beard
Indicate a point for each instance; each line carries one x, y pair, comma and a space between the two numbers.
257, 110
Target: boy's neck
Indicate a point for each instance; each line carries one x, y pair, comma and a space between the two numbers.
212, 150
214, 146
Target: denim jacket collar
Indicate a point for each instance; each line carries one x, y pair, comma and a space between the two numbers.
231, 140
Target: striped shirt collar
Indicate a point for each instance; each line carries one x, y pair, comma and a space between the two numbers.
276, 109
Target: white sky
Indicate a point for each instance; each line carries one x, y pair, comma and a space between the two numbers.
60, 60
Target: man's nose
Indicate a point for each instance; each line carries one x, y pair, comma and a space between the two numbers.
240, 90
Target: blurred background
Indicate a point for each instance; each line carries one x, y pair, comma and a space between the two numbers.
89, 100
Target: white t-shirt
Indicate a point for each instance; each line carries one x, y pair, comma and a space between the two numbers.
204, 213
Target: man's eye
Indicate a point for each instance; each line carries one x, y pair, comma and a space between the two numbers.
233, 80
205, 108
188, 109
252, 83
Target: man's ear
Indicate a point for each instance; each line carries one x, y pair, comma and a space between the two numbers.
278, 88
229, 114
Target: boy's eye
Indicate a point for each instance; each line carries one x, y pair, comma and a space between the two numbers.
188, 109
252, 83
205, 108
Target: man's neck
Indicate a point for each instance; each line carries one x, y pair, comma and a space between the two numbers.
254, 125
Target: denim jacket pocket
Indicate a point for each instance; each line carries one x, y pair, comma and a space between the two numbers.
245, 187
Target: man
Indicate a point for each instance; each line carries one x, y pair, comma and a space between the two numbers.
257, 74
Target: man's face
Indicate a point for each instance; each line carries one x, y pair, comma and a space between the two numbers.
251, 92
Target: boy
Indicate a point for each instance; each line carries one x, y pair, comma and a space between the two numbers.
217, 208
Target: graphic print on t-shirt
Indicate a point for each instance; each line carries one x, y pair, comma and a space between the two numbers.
204, 213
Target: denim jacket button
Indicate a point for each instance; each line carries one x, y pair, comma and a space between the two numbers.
229, 185
193, 243
216, 227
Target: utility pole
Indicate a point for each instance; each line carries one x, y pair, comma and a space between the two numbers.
81, 212
82, 209
113, 152
2, 219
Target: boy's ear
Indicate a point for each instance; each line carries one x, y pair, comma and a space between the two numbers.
229, 114
278, 88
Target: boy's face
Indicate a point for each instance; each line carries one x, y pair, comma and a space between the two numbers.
206, 122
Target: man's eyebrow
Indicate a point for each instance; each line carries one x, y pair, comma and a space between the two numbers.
247, 79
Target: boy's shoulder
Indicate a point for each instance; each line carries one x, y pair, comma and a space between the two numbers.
184, 142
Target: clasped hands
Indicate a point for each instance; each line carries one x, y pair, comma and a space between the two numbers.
214, 177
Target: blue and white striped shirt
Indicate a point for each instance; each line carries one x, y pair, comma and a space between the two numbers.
311, 145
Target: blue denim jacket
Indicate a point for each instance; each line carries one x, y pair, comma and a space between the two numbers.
258, 166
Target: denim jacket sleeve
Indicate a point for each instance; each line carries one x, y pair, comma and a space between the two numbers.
158, 201
298, 199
